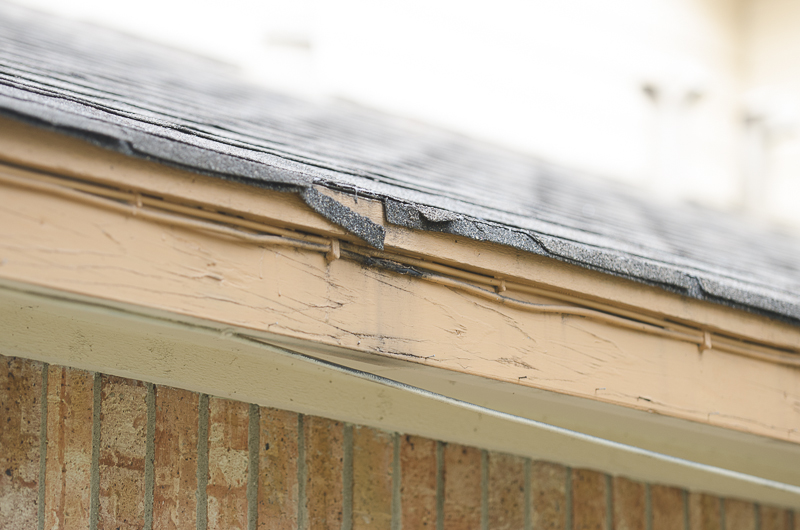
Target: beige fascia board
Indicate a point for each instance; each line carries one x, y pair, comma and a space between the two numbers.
687, 440
63, 329
68, 242
32, 147
697, 442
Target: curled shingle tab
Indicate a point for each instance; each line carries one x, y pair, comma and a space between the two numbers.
148, 101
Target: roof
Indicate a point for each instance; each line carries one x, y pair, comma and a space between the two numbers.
160, 104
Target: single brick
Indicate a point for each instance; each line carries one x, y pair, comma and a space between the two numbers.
20, 423
418, 482
324, 457
228, 459
588, 500
462, 487
629, 501
548, 496
704, 512
123, 430
69, 448
277, 482
668, 508
373, 452
739, 515
175, 459
506, 492
775, 518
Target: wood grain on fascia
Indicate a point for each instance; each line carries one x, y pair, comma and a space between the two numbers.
228, 459
31, 146
116, 256
175, 462
20, 424
69, 448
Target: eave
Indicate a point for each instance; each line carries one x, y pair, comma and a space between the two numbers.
572, 346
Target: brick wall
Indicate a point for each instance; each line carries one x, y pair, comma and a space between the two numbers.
87, 450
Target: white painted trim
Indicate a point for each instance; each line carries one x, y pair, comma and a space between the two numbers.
168, 349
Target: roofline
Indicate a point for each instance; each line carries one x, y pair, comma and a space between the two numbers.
541, 314
176, 149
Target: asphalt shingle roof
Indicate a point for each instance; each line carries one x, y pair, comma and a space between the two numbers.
153, 102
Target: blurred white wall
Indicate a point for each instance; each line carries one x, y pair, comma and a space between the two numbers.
564, 80
771, 104
692, 99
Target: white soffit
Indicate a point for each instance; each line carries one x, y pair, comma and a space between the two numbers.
164, 348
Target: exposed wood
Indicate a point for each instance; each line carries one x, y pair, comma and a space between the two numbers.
34, 147
53, 241
201, 219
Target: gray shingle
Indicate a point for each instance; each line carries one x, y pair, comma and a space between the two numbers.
152, 102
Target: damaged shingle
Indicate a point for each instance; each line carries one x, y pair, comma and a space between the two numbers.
343, 216
160, 104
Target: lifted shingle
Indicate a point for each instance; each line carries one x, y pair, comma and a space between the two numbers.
160, 104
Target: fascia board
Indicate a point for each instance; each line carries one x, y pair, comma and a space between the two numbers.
56, 328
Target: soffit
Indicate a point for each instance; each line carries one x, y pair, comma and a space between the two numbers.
59, 328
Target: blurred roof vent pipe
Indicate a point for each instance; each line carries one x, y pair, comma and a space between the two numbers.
767, 119
673, 89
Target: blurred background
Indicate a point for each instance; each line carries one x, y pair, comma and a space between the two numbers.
691, 100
